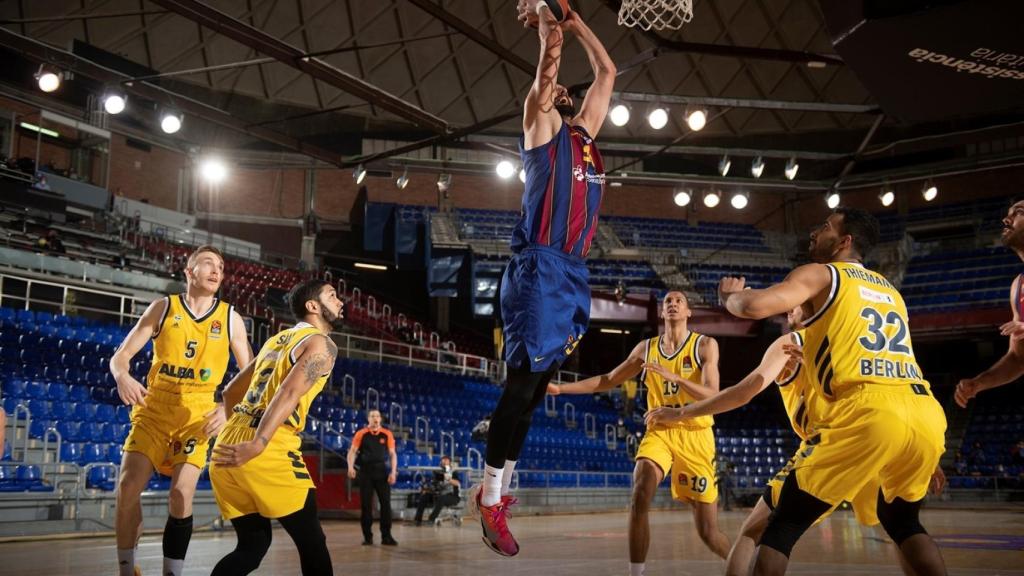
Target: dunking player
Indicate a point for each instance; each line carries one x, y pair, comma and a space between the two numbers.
882, 422
545, 299
782, 365
175, 413
1011, 365
257, 468
679, 367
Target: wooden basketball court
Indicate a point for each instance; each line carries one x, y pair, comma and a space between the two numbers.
973, 542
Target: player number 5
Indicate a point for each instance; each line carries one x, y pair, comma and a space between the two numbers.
190, 349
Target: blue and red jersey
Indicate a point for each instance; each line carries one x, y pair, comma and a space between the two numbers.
564, 186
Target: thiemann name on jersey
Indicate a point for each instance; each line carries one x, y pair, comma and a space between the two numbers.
889, 369
868, 277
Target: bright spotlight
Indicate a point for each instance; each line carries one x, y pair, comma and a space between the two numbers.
522, 175
48, 79
213, 170
791, 168
887, 197
505, 169
832, 200
739, 201
359, 174
403, 180
114, 103
658, 118
929, 192
712, 199
444, 181
682, 198
619, 115
170, 122
724, 164
696, 120
757, 167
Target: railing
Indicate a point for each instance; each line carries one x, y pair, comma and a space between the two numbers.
579, 475
451, 444
396, 420
631, 445
569, 414
125, 304
353, 346
610, 437
46, 443
590, 425
348, 389
470, 451
373, 404
550, 406
21, 408
425, 437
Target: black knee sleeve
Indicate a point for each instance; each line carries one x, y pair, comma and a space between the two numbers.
795, 512
901, 519
524, 391
177, 534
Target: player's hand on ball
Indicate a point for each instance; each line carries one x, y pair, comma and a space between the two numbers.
215, 420
131, 391
662, 416
660, 371
1014, 329
233, 455
728, 286
966, 390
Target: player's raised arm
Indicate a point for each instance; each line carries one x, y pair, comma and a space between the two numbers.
130, 390
772, 364
599, 95
629, 368
801, 285
541, 120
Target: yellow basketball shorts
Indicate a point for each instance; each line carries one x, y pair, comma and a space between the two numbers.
886, 434
864, 504
169, 431
687, 457
273, 484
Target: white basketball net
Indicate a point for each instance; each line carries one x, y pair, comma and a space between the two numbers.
656, 14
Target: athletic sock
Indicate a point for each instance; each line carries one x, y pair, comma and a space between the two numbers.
491, 494
177, 534
126, 562
637, 568
506, 476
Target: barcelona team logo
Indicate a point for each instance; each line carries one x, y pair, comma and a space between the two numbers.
215, 327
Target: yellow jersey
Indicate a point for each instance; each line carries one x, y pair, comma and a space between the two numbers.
798, 396
860, 335
275, 360
190, 352
686, 362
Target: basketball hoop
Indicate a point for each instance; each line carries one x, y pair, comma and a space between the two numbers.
656, 14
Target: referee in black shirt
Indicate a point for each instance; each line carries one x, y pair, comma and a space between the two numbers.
373, 446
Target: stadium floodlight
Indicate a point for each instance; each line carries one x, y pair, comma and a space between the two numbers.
757, 167
359, 174
930, 191
170, 121
505, 169
403, 180
619, 114
682, 197
48, 78
114, 102
444, 181
712, 198
832, 199
739, 200
724, 164
522, 175
791, 168
658, 118
696, 119
887, 197
213, 170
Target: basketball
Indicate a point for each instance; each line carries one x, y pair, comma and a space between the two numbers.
560, 8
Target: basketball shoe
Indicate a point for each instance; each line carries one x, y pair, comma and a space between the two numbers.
494, 521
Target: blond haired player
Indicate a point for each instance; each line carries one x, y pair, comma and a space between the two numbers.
257, 468
882, 423
782, 365
679, 367
175, 414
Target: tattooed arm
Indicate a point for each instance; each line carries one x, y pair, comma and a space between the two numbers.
314, 361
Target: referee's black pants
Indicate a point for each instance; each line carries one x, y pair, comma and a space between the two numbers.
375, 479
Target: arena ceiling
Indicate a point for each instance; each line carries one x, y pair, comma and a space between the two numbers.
454, 72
